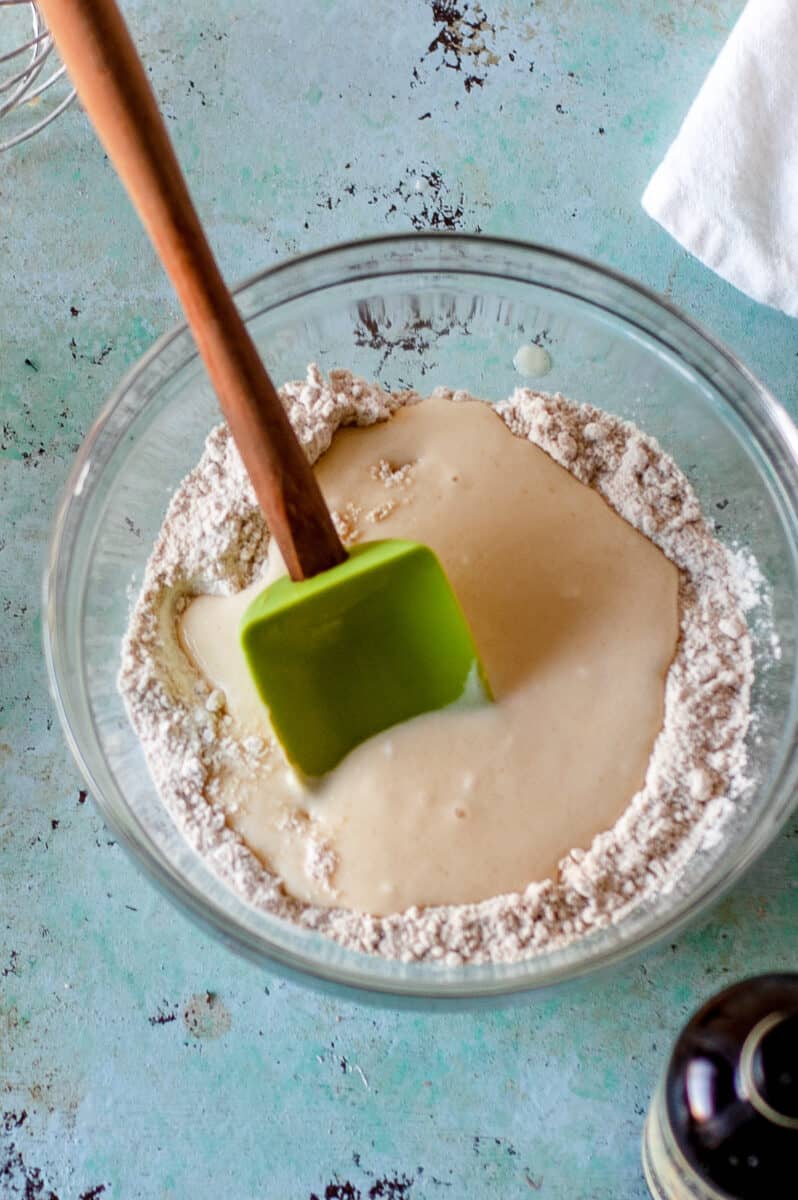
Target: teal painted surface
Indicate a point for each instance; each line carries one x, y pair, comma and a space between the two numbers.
138, 1059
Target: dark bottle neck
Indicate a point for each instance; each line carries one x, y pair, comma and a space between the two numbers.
732, 1090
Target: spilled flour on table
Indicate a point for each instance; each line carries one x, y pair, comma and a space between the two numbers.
214, 540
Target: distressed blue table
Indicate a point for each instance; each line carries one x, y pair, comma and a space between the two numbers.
137, 1057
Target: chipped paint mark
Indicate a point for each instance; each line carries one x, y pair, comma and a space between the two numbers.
192, 87
96, 360
13, 1120
18, 1179
464, 42
99, 359
205, 1017
387, 1187
434, 205
164, 1014
338, 1191
11, 967
93, 1193
422, 197
390, 1189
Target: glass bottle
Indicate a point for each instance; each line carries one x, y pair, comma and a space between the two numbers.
723, 1124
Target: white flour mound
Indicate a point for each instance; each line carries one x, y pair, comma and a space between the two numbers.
214, 540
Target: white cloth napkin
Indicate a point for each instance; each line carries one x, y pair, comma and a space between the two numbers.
728, 187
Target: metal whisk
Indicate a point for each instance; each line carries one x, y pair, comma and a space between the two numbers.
23, 78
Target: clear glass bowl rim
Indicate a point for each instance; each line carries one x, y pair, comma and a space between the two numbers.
765, 419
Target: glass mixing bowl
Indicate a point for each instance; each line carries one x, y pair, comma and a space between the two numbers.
417, 311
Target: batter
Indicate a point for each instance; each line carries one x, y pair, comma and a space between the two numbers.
576, 618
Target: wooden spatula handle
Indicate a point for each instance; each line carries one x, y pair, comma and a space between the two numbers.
102, 61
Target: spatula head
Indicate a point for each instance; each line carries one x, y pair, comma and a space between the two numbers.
374, 641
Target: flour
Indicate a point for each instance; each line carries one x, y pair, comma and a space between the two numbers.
214, 540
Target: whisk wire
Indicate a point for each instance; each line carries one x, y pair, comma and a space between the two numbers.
24, 85
28, 74
21, 49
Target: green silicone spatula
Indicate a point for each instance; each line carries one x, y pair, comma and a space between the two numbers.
353, 643
344, 654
